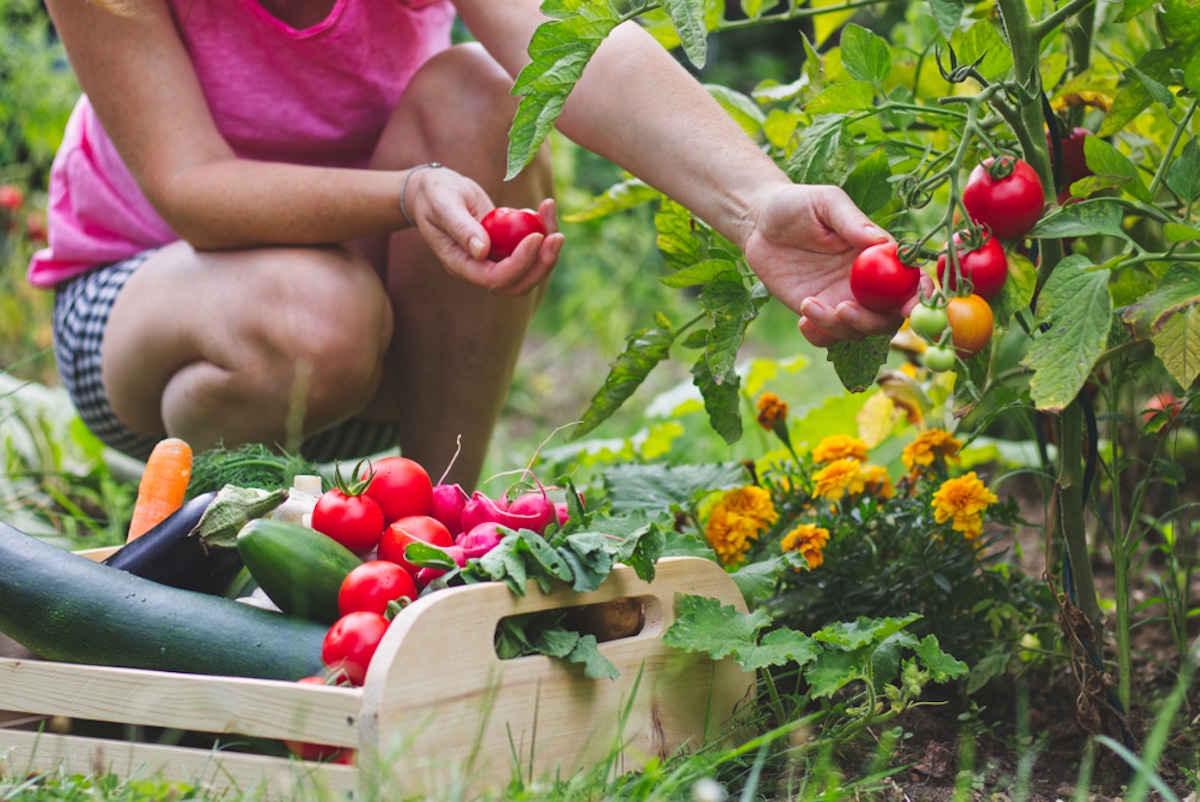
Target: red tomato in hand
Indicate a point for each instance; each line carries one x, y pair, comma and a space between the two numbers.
1009, 206
506, 228
406, 530
971, 324
401, 487
355, 521
986, 267
880, 281
307, 751
372, 585
351, 642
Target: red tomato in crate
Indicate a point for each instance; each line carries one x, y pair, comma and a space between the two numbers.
413, 528
307, 751
372, 585
355, 521
351, 642
400, 486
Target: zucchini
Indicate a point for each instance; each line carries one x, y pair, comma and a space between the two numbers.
65, 607
299, 568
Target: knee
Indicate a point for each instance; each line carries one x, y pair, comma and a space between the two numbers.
329, 327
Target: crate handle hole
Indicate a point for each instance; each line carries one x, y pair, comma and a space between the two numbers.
626, 617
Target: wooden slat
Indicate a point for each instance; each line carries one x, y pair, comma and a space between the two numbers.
217, 771
261, 708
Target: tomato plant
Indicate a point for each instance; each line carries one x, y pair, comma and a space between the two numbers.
1005, 195
373, 585
400, 486
985, 266
971, 324
406, 530
939, 359
348, 516
351, 642
506, 227
880, 281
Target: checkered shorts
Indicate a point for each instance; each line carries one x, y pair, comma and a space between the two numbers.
81, 309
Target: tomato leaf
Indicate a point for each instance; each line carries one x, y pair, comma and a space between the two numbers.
1135, 98
732, 306
1083, 219
744, 111
868, 184
857, 363
721, 399
669, 488
1178, 288
687, 16
1177, 344
705, 625
699, 273
620, 197
1183, 176
677, 238
865, 55
842, 98
644, 349
947, 14
981, 42
559, 50
1076, 311
823, 154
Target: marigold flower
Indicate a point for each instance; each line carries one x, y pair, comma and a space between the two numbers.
738, 518
809, 540
838, 478
926, 446
963, 500
839, 446
772, 411
875, 479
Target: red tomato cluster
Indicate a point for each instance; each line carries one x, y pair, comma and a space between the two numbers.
1004, 195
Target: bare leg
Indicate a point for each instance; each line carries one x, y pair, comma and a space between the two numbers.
455, 346
222, 346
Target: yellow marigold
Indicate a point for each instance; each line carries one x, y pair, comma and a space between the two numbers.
809, 540
738, 518
934, 442
875, 479
838, 478
839, 446
771, 411
963, 500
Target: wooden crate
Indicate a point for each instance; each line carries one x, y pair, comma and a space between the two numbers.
438, 709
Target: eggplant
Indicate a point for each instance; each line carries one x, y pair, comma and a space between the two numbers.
195, 548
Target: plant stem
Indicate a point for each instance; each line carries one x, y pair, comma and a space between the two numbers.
1161, 172
1069, 487
1047, 25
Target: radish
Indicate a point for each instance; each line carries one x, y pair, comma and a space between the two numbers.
426, 575
448, 504
480, 540
532, 511
482, 510
563, 513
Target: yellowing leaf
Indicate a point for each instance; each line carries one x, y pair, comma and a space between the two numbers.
876, 419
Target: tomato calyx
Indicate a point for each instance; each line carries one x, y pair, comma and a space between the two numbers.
1001, 167
357, 487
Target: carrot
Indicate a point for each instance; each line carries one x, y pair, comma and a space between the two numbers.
163, 485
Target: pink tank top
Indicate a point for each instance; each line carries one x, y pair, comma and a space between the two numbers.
317, 96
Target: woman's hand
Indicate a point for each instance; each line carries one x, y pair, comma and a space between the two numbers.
447, 207
803, 242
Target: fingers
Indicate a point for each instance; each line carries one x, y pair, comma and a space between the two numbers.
842, 216
825, 326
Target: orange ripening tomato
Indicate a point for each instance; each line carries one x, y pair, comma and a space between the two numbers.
971, 324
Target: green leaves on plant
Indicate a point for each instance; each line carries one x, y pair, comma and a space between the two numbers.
619, 197
721, 399
869, 184
1083, 219
1167, 316
947, 14
1105, 160
666, 487
858, 363
644, 349
1135, 97
1183, 176
824, 153
865, 55
1074, 314
732, 306
687, 16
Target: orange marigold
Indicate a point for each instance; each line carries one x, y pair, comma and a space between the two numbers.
875, 479
963, 500
927, 445
838, 478
736, 520
772, 411
809, 540
839, 446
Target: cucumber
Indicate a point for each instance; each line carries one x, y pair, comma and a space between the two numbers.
65, 607
299, 568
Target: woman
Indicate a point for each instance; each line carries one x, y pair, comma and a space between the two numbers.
250, 243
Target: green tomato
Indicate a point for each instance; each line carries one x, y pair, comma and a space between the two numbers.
928, 321
939, 359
